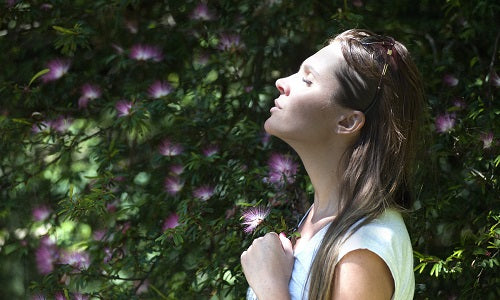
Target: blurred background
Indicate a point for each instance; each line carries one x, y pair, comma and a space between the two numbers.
132, 147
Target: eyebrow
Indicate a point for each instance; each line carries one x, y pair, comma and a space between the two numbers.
311, 69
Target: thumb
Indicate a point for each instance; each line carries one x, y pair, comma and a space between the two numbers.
286, 243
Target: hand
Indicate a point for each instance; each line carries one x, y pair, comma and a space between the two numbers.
268, 265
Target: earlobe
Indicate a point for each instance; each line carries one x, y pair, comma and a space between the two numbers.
351, 123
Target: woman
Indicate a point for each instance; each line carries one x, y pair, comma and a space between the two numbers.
351, 113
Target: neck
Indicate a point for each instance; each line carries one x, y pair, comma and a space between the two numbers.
322, 164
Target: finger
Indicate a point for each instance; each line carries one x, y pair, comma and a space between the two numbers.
286, 243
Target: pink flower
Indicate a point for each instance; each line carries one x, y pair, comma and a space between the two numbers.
58, 67
159, 89
173, 185
79, 296
487, 139
201, 59
177, 169
141, 288
10, 3
146, 52
357, 3
59, 296
61, 124
46, 6
99, 235
46, 255
41, 212
282, 169
79, 260
230, 42
89, 92
254, 216
230, 212
265, 139
204, 192
38, 296
450, 80
210, 150
445, 122
167, 148
123, 108
494, 79
171, 221
201, 12
459, 103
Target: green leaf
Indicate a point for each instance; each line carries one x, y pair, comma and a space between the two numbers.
44, 71
64, 30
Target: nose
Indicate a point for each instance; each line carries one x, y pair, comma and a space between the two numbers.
283, 86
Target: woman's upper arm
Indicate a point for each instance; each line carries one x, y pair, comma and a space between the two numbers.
362, 274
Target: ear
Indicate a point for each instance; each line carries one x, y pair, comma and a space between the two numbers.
351, 122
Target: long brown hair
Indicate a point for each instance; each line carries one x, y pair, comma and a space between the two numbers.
376, 170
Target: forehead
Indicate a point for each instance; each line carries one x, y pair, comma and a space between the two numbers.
326, 59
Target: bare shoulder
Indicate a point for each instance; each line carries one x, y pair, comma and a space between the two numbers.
362, 274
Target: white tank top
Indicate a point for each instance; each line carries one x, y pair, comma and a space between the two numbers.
385, 236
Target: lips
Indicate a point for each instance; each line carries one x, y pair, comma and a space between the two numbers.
276, 104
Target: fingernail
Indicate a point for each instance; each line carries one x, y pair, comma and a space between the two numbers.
283, 234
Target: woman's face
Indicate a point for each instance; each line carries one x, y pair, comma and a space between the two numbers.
304, 111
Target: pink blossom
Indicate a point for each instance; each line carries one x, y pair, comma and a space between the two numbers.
494, 79
146, 52
459, 103
10, 3
210, 150
79, 260
59, 296
445, 122
265, 139
201, 59
282, 169
89, 92
173, 185
123, 108
171, 221
99, 235
167, 148
79, 296
204, 192
159, 89
254, 216
38, 296
487, 139
141, 288
228, 42
201, 12
61, 124
450, 80
357, 3
108, 255
46, 6
230, 212
41, 212
177, 169
58, 67
46, 255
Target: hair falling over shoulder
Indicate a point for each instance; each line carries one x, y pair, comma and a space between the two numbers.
377, 170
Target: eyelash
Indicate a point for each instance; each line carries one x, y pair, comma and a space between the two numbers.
308, 82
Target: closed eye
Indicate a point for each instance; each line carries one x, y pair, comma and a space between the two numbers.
308, 82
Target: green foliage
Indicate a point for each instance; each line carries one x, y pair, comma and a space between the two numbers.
93, 162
